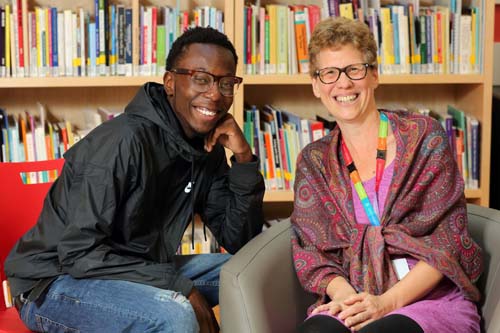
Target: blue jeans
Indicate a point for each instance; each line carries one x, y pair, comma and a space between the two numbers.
91, 305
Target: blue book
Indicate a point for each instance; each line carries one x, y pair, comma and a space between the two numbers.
92, 50
128, 41
96, 28
55, 53
113, 59
395, 29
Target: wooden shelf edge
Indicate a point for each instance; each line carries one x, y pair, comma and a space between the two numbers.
384, 79
473, 194
287, 196
278, 196
75, 82
124, 81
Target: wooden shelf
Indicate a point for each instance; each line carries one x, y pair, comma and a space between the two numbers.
286, 196
384, 79
68, 82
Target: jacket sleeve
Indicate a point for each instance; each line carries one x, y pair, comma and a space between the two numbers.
233, 209
90, 245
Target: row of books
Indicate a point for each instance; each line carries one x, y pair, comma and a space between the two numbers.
463, 132
38, 135
52, 42
442, 37
277, 137
29, 136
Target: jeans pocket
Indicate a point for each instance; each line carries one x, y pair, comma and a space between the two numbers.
47, 325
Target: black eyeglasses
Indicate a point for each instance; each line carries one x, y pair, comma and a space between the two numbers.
204, 81
329, 75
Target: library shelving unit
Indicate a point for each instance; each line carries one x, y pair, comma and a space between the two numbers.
70, 98
472, 93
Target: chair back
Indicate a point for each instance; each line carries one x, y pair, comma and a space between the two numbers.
20, 203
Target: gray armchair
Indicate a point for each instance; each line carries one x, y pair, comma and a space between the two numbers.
260, 293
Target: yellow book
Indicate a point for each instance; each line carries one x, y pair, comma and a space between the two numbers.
282, 39
473, 40
7, 39
38, 12
387, 39
48, 37
273, 50
69, 131
346, 10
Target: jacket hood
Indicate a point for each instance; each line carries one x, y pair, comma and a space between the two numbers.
151, 103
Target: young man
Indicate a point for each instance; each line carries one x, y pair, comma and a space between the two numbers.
102, 255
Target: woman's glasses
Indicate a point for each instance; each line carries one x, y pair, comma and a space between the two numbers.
329, 75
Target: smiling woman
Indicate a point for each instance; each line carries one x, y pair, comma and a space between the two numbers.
390, 257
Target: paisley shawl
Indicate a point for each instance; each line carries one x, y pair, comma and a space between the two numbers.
424, 217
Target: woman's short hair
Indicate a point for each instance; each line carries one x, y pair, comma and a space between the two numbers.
334, 32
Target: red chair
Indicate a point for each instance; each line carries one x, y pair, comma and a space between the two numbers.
20, 206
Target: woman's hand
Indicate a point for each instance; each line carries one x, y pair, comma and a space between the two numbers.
333, 308
363, 308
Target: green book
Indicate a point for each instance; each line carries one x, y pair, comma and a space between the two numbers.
160, 49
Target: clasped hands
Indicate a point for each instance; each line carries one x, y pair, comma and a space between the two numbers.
357, 310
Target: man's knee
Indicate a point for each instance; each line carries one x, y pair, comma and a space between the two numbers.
174, 313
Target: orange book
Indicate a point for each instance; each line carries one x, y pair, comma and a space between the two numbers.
22, 121
64, 137
301, 39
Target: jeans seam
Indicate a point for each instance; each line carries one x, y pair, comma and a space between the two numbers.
39, 323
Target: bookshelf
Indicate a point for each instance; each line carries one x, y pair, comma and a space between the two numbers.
471, 92
72, 97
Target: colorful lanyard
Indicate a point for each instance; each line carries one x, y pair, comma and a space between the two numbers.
354, 174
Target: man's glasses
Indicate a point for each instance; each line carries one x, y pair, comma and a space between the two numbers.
204, 81
329, 75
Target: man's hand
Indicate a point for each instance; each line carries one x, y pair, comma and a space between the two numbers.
204, 314
229, 134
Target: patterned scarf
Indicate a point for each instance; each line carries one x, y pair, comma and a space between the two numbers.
424, 217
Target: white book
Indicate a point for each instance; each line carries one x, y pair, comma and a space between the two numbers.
102, 41
32, 44
404, 42
466, 44
305, 135
74, 44
81, 31
60, 44
68, 43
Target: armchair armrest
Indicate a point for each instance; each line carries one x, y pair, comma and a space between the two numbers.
259, 289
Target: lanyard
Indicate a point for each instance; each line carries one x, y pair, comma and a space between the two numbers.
354, 174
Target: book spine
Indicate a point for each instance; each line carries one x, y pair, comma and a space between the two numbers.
3, 71
128, 42
301, 42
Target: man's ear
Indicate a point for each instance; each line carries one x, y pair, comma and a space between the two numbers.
168, 83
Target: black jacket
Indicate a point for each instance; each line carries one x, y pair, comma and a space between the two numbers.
123, 201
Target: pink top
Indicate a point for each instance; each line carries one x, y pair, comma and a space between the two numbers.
444, 309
